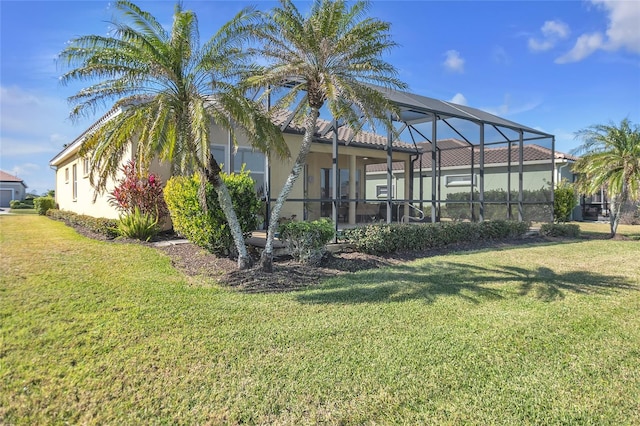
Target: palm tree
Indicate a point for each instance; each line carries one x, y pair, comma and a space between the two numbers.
612, 160
169, 90
327, 57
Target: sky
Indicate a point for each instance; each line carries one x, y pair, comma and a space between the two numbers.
556, 66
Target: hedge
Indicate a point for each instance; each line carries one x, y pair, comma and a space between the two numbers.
100, 225
390, 238
536, 206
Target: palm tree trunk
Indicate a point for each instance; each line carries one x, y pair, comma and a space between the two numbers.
224, 198
266, 259
616, 203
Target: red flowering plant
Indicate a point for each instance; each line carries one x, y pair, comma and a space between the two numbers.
136, 191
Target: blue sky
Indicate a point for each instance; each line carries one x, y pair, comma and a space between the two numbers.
557, 66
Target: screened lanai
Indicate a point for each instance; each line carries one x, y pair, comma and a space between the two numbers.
442, 161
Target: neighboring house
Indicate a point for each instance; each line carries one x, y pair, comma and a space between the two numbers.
456, 176
11, 188
339, 179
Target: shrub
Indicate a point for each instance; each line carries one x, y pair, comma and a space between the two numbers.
138, 225
307, 240
210, 230
564, 201
135, 191
42, 204
380, 239
100, 225
536, 205
560, 230
21, 205
630, 214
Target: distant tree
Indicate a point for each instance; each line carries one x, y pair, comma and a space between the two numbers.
326, 57
610, 159
170, 89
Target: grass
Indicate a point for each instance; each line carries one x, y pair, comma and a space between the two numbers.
602, 230
99, 333
22, 211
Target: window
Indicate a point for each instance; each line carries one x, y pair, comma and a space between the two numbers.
255, 162
381, 191
66, 175
460, 180
326, 184
85, 167
75, 181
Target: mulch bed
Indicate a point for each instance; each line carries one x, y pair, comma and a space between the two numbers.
289, 275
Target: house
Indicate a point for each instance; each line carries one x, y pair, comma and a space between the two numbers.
11, 188
310, 198
336, 182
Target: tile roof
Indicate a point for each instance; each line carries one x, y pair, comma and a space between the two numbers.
454, 153
324, 133
6, 177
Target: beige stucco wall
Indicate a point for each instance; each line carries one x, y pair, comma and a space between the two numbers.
87, 202
319, 158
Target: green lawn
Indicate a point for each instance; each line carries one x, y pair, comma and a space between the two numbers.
103, 333
602, 230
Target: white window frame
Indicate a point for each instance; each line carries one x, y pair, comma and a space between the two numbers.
66, 175
465, 181
237, 165
74, 188
85, 167
381, 191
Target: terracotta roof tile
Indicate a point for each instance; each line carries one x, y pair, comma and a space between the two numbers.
454, 153
6, 177
345, 134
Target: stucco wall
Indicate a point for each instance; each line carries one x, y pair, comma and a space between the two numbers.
11, 191
535, 176
87, 201
307, 186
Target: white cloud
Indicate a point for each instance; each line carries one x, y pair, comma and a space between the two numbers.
624, 19
552, 32
24, 170
585, 46
454, 62
459, 99
509, 107
555, 29
500, 55
12, 147
31, 122
622, 32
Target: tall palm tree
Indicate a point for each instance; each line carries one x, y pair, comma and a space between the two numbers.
611, 160
327, 57
169, 91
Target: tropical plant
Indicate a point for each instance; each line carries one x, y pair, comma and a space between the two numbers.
138, 224
142, 192
327, 57
167, 90
611, 159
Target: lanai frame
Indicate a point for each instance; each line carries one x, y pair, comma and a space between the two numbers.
412, 110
